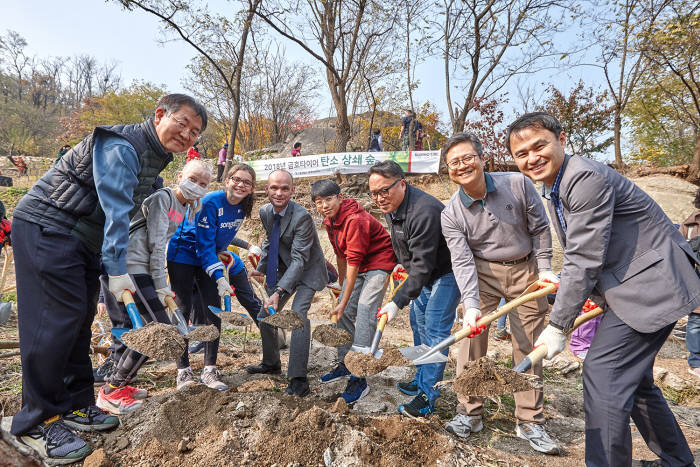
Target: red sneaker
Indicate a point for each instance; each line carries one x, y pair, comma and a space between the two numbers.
136, 393
118, 402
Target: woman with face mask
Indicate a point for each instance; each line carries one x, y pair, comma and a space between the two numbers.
195, 260
159, 217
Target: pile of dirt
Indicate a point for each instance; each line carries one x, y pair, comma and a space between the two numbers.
234, 318
330, 335
204, 333
485, 378
265, 384
285, 319
361, 364
158, 341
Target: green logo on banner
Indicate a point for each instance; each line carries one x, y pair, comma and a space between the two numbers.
401, 158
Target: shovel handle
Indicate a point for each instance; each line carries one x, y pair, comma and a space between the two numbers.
170, 303
382, 322
334, 319
131, 310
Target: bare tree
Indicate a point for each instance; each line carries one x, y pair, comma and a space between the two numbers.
12, 47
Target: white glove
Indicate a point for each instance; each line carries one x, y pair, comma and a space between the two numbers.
255, 250
118, 284
548, 276
223, 287
390, 310
164, 292
554, 339
471, 316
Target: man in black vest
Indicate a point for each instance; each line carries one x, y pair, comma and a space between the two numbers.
77, 214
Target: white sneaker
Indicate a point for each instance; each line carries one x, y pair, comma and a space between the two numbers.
463, 425
185, 379
211, 379
539, 439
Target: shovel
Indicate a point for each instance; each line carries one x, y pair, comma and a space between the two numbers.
185, 330
535, 290
133, 313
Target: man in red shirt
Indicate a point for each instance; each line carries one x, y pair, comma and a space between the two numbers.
365, 257
193, 153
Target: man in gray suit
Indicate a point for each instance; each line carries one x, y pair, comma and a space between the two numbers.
292, 262
622, 251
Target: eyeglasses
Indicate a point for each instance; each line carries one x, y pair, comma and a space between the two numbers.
320, 201
194, 134
238, 181
465, 160
384, 192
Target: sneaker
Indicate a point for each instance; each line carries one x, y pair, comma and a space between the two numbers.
91, 418
410, 388
694, 371
211, 379
418, 407
501, 335
340, 371
196, 348
538, 438
136, 393
185, 379
356, 389
55, 443
117, 402
463, 425
103, 371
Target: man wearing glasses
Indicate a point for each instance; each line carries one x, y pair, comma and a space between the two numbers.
498, 234
414, 217
77, 214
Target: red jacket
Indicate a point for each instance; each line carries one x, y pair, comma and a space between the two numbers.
359, 238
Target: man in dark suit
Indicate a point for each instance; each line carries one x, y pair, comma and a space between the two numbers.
292, 262
622, 251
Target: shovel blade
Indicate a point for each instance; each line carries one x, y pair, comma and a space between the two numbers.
215, 310
416, 352
365, 349
117, 332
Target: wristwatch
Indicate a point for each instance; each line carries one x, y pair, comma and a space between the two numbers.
279, 291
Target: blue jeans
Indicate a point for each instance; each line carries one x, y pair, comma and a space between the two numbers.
432, 315
501, 323
692, 339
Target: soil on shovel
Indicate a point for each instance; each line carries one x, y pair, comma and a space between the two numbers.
286, 319
234, 318
328, 334
158, 341
364, 364
204, 333
485, 378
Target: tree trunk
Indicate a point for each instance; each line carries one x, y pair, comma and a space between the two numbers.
617, 129
694, 172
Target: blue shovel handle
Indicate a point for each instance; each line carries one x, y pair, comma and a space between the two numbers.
270, 310
227, 303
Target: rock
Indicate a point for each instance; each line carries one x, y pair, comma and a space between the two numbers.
97, 459
340, 407
241, 411
561, 365
370, 406
659, 373
183, 445
122, 443
669, 379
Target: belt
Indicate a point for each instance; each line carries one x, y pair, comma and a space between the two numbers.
512, 262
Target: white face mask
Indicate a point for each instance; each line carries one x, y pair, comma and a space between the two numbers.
191, 191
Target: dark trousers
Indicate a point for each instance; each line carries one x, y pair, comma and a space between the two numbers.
117, 315
219, 172
182, 277
131, 361
618, 383
57, 287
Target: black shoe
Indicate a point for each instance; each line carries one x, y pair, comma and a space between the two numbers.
102, 372
91, 418
417, 408
264, 369
410, 388
298, 387
55, 443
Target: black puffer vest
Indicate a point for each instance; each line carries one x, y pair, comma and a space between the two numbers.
65, 198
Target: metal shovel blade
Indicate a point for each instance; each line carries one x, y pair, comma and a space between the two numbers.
365, 349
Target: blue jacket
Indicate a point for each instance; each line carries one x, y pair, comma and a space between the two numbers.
197, 241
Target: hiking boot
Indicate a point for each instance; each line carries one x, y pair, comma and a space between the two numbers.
91, 418
185, 379
410, 388
463, 425
103, 371
538, 438
298, 387
55, 443
263, 369
501, 335
418, 407
117, 402
196, 348
340, 371
356, 389
211, 379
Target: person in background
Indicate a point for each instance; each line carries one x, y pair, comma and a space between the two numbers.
64, 149
193, 153
221, 162
375, 142
690, 229
296, 150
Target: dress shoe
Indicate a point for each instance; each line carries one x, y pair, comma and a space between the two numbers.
298, 387
263, 369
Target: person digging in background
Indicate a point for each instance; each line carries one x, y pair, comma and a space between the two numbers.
296, 150
497, 231
690, 229
195, 255
365, 258
75, 215
414, 217
292, 263
625, 253
221, 162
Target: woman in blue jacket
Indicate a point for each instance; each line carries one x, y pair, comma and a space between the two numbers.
193, 259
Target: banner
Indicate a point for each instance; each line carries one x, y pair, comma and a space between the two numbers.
319, 165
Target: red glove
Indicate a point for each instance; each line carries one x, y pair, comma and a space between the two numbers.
5, 230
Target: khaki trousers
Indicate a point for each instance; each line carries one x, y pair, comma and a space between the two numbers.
498, 281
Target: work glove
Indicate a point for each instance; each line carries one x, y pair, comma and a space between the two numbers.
548, 276
223, 287
554, 339
164, 292
471, 316
118, 284
255, 250
390, 310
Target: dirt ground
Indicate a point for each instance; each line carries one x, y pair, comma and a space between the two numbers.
256, 423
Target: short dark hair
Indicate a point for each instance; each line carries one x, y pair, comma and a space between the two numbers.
172, 102
697, 199
297, 145
463, 137
324, 188
387, 169
543, 120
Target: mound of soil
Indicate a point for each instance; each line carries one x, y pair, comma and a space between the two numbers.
158, 341
484, 378
266, 384
204, 333
237, 319
330, 335
285, 319
361, 364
